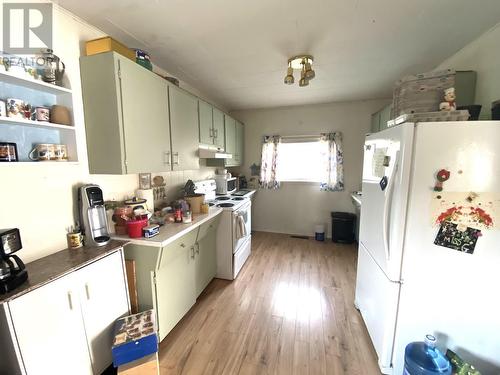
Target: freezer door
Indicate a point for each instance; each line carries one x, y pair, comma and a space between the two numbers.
445, 292
386, 171
377, 300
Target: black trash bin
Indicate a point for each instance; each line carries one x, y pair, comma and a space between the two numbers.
343, 224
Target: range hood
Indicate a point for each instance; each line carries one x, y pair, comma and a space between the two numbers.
212, 153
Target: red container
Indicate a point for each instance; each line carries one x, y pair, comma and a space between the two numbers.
134, 227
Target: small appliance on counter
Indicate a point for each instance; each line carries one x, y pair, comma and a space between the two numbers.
11, 275
226, 184
93, 218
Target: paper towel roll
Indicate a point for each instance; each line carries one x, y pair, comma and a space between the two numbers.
147, 194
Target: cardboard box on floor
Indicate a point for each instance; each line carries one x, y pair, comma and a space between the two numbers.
144, 366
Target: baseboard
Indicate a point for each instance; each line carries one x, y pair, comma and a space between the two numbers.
288, 233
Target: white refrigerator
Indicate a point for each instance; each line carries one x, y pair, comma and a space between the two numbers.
429, 261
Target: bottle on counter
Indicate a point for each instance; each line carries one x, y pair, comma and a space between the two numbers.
423, 358
178, 213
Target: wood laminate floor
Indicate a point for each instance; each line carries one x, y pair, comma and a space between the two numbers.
290, 311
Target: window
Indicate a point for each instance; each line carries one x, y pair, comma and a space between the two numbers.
301, 161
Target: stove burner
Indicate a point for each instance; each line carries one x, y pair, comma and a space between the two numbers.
222, 198
238, 199
225, 205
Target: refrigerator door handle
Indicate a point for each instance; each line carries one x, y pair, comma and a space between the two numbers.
387, 208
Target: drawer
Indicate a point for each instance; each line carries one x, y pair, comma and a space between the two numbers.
208, 227
172, 250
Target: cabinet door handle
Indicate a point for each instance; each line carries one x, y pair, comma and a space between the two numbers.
166, 157
70, 301
176, 161
216, 131
197, 248
87, 291
211, 133
192, 252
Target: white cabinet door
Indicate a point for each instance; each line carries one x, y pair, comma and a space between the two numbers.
49, 329
146, 129
238, 157
218, 124
104, 298
174, 285
205, 250
183, 129
206, 123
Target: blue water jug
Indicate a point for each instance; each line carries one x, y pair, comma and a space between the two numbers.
423, 358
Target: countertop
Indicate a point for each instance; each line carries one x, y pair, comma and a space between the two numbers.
54, 266
172, 231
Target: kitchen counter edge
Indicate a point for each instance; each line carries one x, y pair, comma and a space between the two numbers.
54, 266
170, 232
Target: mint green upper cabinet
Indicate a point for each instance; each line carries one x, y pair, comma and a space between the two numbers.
184, 129
239, 143
230, 134
126, 112
218, 126
206, 123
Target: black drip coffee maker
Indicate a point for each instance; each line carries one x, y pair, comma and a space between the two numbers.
12, 270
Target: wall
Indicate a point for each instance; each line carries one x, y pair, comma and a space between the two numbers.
297, 207
41, 199
483, 56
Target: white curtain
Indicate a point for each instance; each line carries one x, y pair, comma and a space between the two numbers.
268, 162
333, 159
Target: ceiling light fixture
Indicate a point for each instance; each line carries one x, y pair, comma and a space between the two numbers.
289, 80
302, 63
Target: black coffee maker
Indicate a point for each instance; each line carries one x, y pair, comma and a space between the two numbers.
12, 270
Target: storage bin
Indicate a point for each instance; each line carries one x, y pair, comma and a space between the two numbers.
343, 224
134, 337
106, 44
319, 234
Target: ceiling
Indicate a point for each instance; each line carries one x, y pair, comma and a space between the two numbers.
236, 52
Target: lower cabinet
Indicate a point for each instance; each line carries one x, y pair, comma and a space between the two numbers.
66, 325
170, 278
174, 282
206, 255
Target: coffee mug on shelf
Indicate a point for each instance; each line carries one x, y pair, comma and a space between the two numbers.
42, 152
3, 108
60, 153
41, 114
15, 108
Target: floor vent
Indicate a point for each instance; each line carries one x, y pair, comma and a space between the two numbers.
301, 237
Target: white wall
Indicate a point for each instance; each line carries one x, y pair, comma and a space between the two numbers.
483, 56
41, 199
297, 207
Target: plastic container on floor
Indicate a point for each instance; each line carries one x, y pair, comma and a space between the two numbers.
320, 232
423, 358
343, 224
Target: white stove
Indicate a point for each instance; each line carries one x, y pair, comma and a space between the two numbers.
234, 231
